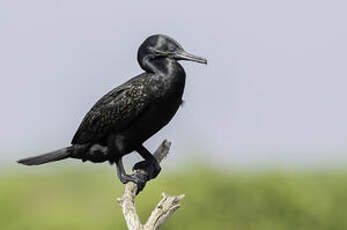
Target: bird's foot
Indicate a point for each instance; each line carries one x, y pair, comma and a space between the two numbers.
152, 169
139, 179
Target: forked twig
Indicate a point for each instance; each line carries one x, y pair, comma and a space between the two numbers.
164, 209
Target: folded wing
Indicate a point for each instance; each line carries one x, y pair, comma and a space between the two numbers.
114, 112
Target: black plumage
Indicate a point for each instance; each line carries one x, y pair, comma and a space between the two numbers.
130, 114
114, 112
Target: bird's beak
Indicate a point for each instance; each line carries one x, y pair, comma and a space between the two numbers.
183, 55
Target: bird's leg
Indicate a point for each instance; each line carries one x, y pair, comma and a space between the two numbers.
125, 178
150, 164
115, 148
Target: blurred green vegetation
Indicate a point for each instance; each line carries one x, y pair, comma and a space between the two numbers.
86, 199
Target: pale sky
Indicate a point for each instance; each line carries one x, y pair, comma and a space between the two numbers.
273, 94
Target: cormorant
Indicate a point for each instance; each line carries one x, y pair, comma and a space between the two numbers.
131, 113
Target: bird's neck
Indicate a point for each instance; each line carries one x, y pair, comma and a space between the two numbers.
164, 67
168, 79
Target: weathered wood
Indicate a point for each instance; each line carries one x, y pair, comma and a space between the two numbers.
164, 209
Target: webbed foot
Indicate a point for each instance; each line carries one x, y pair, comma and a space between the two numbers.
152, 168
138, 179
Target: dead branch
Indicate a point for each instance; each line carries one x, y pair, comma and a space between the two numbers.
164, 209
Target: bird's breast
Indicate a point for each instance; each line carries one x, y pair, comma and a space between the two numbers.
167, 87
167, 100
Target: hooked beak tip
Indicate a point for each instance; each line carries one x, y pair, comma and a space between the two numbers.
190, 57
201, 60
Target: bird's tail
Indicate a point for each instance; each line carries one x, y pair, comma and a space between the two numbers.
57, 155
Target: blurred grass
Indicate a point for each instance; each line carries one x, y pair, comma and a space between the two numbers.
86, 199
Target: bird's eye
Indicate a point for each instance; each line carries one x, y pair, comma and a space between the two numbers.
171, 48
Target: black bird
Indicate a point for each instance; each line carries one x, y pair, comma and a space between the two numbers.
131, 113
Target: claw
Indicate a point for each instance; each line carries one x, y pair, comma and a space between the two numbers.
138, 179
141, 182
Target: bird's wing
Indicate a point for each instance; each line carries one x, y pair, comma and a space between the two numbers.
114, 112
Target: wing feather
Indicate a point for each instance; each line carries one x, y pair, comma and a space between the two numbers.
114, 112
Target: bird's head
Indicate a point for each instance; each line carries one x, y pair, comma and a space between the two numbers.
162, 46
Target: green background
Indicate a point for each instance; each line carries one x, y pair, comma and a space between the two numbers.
85, 198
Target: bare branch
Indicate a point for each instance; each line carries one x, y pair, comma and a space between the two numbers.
164, 209
127, 203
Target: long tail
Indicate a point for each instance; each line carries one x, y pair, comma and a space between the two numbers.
57, 155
